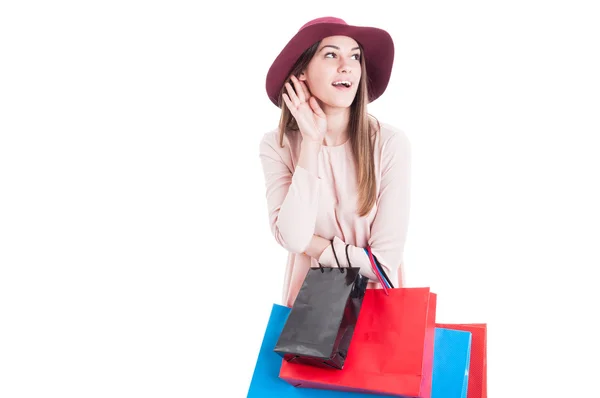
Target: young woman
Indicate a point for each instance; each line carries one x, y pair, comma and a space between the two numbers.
337, 180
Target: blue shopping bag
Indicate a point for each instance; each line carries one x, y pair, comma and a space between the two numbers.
265, 381
451, 359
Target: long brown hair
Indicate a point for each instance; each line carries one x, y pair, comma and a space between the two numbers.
361, 130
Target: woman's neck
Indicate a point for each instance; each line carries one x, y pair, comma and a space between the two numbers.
337, 126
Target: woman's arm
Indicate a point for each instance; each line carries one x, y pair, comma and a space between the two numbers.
292, 198
320, 248
358, 258
316, 247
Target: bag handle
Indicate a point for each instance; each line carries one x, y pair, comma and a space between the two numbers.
336, 258
378, 271
347, 257
335, 255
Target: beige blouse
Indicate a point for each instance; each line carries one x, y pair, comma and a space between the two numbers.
301, 204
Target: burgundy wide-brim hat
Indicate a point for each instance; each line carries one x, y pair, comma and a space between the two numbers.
377, 45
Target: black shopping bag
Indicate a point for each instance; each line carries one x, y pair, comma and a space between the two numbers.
319, 328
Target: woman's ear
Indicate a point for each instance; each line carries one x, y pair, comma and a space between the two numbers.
302, 77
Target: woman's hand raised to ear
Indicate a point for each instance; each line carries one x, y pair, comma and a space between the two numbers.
311, 119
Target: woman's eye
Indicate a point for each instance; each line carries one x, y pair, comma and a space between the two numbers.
354, 56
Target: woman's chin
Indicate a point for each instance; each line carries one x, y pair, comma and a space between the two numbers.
339, 102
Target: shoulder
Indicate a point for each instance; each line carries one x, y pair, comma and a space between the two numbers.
391, 139
269, 139
269, 142
270, 145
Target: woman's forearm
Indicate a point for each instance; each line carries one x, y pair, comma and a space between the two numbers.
316, 247
346, 255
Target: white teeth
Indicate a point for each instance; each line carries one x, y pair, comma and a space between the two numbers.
343, 82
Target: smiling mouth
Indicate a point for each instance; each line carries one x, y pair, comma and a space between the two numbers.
342, 84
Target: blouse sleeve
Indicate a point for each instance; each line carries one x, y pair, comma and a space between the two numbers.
389, 228
292, 199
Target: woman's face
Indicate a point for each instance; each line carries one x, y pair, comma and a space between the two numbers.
335, 65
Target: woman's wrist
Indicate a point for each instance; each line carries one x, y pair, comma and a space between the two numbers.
310, 145
309, 156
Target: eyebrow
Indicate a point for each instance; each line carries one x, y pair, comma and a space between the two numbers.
336, 47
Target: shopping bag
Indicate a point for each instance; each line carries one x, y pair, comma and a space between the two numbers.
265, 380
478, 360
391, 350
451, 356
321, 323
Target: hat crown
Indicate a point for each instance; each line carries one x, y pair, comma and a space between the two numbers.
324, 20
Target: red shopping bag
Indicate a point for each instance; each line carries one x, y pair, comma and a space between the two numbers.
478, 367
391, 350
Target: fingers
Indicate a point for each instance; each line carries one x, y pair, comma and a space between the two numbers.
299, 89
289, 103
307, 93
292, 94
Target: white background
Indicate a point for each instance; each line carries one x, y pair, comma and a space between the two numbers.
136, 257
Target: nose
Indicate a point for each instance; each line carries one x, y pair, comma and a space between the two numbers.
344, 66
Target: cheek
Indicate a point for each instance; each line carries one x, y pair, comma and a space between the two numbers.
317, 85
322, 83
